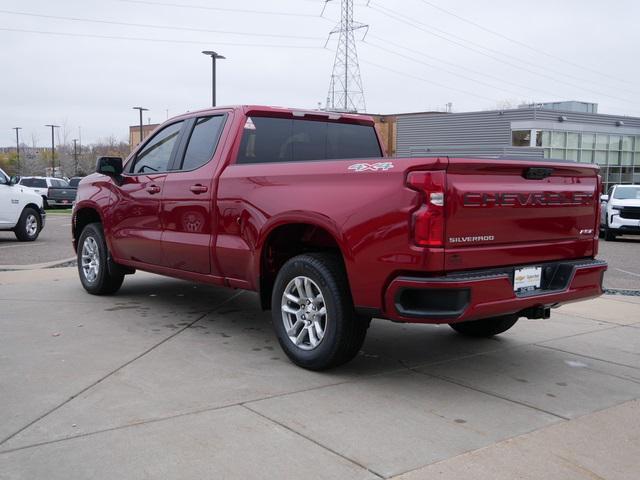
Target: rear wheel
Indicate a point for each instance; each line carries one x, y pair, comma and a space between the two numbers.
29, 226
95, 275
313, 314
487, 327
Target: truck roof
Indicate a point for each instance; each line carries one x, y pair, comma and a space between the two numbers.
284, 111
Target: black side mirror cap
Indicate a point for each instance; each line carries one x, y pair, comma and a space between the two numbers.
111, 166
14, 180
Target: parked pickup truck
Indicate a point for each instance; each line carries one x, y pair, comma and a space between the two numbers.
302, 207
54, 191
620, 211
20, 209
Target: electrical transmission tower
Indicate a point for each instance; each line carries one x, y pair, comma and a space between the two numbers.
345, 89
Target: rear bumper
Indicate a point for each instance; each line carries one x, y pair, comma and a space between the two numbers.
59, 203
489, 293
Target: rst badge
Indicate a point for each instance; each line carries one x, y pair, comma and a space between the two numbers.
371, 167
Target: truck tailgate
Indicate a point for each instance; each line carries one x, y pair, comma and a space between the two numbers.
507, 212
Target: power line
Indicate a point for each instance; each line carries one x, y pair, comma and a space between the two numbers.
147, 25
522, 44
222, 9
162, 40
416, 24
480, 82
476, 72
422, 79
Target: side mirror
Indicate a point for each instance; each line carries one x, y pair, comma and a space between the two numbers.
111, 166
14, 180
604, 198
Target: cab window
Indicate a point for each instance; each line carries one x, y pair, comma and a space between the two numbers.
156, 155
202, 142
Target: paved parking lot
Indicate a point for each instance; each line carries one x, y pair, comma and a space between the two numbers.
169, 379
53, 243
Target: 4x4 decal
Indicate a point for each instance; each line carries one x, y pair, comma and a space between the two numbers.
371, 167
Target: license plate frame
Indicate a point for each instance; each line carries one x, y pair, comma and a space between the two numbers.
527, 279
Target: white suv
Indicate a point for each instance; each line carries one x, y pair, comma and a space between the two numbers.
20, 209
620, 212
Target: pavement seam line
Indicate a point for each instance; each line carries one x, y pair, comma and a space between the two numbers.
129, 362
487, 392
511, 439
315, 442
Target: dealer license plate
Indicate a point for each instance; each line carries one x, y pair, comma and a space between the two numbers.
526, 279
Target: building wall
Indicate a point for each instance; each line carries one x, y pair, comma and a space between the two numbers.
134, 133
611, 141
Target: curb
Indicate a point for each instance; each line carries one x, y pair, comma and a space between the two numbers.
36, 266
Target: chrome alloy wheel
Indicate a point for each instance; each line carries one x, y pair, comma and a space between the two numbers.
90, 259
304, 313
31, 225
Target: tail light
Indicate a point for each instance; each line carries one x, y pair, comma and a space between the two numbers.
428, 220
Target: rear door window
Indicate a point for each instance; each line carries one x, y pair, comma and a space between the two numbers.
203, 141
267, 140
156, 155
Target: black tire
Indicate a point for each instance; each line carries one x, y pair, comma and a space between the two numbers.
24, 229
609, 235
487, 327
344, 331
107, 280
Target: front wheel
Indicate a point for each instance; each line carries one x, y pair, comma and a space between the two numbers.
28, 226
313, 314
487, 327
609, 235
95, 275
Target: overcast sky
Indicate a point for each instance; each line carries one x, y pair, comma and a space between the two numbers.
415, 57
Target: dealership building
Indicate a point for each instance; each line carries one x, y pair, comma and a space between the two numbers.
572, 131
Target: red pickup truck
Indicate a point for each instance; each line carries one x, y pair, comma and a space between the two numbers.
302, 207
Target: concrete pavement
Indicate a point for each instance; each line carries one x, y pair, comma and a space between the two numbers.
170, 379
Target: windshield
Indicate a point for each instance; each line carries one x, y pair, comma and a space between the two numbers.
627, 193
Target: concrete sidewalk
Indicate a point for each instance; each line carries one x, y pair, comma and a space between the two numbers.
170, 379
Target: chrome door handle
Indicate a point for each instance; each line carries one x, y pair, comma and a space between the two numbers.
153, 189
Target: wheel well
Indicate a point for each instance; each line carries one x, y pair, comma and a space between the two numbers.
285, 242
33, 206
83, 218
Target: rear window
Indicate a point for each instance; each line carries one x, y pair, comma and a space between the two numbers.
267, 140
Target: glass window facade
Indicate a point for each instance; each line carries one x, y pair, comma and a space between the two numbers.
617, 155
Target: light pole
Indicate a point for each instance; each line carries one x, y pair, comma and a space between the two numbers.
17, 129
75, 155
141, 109
214, 56
53, 150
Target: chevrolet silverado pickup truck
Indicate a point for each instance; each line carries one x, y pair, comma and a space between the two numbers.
303, 208
620, 211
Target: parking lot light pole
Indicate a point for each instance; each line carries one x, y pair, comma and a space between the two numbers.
214, 56
141, 109
53, 150
17, 129
75, 155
